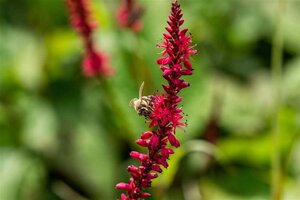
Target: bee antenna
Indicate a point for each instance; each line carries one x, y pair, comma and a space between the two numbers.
141, 90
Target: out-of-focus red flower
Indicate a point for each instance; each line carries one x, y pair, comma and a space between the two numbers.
94, 62
166, 116
91, 62
129, 15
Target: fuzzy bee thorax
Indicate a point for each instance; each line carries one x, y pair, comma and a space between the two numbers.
143, 106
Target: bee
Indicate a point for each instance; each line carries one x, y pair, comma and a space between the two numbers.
144, 104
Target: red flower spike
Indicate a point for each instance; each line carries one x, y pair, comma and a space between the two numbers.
156, 168
152, 176
154, 142
94, 62
122, 186
124, 197
163, 162
174, 142
132, 168
138, 156
145, 195
166, 116
170, 151
146, 135
142, 142
167, 36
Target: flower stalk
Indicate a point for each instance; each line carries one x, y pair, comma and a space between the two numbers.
166, 116
276, 64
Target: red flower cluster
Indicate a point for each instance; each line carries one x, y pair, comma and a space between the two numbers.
166, 116
129, 14
94, 62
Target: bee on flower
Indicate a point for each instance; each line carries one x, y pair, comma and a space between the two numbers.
144, 104
161, 110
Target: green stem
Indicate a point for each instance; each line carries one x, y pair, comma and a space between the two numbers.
277, 48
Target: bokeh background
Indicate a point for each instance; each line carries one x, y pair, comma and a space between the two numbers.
67, 137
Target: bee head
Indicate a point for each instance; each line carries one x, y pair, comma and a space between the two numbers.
135, 103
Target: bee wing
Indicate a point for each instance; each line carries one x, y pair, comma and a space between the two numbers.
141, 90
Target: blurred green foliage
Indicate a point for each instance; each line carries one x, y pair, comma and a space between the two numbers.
64, 136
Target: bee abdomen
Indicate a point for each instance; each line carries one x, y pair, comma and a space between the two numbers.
146, 106
144, 111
